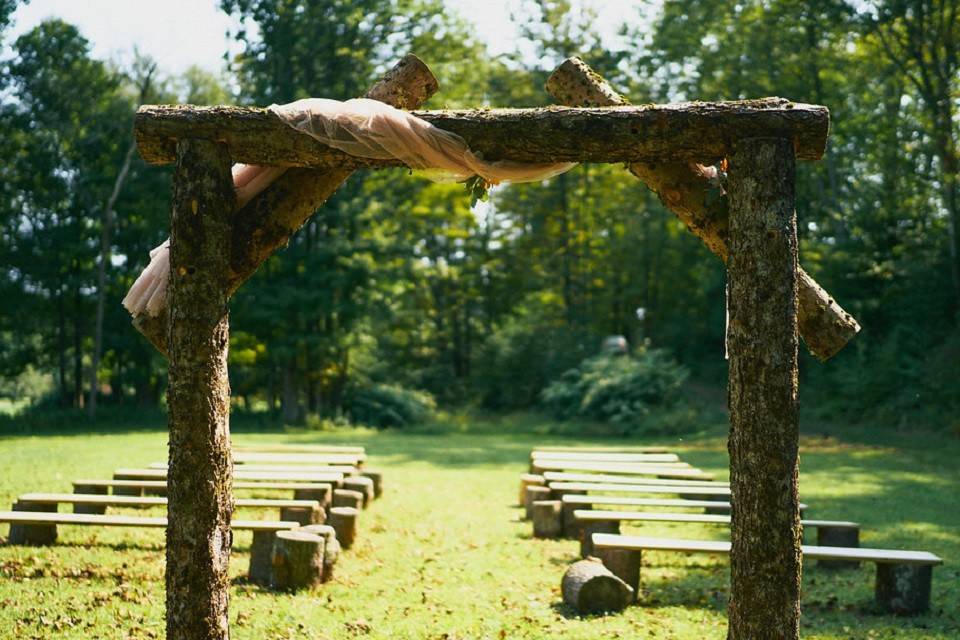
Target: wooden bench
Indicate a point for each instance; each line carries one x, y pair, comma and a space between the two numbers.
903, 577
562, 476
351, 459
658, 470
40, 528
320, 491
572, 501
334, 474
648, 458
278, 468
563, 488
298, 448
303, 511
591, 522
651, 449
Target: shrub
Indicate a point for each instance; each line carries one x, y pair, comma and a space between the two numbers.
385, 406
628, 391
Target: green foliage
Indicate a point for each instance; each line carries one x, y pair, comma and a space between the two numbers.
390, 406
623, 390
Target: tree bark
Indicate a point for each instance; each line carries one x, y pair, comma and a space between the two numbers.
765, 564
266, 223
694, 195
199, 481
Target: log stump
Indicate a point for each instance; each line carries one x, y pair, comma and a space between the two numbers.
261, 558
304, 515
587, 529
534, 493
344, 522
363, 485
377, 478
331, 548
527, 480
347, 498
547, 519
589, 587
33, 534
90, 490
625, 564
904, 589
322, 494
838, 537
297, 560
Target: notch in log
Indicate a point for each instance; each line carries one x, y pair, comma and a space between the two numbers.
684, 188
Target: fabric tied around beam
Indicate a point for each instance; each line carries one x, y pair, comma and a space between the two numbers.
360, 127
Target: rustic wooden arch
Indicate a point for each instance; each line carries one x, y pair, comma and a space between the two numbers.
214, 248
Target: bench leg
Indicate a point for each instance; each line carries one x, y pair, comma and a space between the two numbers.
625, 564
323, 496
303, 515
87, 489
571, 526
838, 537
904, 588
547, 519
261, 553
590, 528
128, 491
33, 534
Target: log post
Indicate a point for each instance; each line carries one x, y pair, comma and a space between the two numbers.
33, 534
625, 564
321, 495
331, 550
527, 480
377, 478
200, 469
304, 515
694, 195
589, 587
838, 536
765, 562
534, 492
904, 589
261, 557
590, 527
362, 485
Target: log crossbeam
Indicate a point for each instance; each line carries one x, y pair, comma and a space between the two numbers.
701, 131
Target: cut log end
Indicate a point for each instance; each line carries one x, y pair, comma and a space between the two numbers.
591, 588
344, 522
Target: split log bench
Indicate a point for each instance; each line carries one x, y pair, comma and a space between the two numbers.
563, 488
593, 522
571, 502
333, 475
351, 459
598, 478
297, 448
637, 458
902, 586
590, 449
319, 491
40, 528
662, 470
303, 511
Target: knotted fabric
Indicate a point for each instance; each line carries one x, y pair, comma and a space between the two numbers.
363, 128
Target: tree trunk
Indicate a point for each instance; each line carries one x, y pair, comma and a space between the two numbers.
106, 227
199, 481
762, 339
696, 198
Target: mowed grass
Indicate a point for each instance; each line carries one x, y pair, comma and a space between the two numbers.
444, 553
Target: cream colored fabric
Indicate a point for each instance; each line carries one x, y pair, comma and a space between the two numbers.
372, 129
360, 127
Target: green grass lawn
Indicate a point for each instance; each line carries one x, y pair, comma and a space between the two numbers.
444, 554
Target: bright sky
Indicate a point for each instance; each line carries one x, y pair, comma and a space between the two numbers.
180, 33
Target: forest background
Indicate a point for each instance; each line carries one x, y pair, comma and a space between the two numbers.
400, 297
